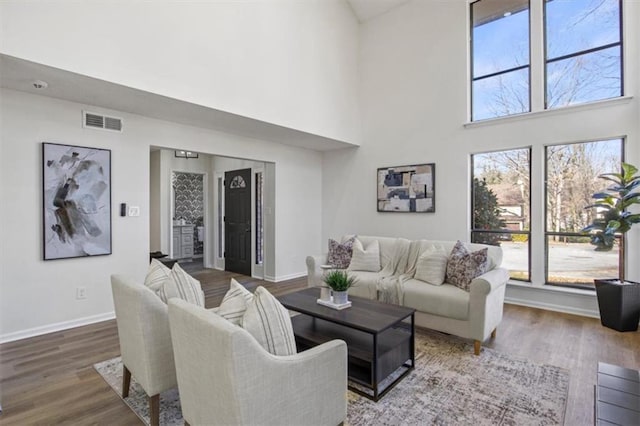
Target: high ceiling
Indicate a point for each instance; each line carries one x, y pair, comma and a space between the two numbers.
367, 9
19, 74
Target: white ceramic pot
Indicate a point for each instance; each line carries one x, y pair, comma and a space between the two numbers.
340, 297
325, 293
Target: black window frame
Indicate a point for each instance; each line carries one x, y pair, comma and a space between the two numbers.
547, 61
497, 73
504, 231
546, 234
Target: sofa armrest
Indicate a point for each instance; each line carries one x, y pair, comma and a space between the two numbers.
314, 272
490, 281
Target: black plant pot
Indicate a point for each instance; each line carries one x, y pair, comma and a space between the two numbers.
619, 304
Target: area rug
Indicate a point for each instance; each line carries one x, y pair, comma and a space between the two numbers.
449, 386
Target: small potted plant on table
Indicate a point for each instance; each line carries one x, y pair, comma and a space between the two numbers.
339, 281
618, 299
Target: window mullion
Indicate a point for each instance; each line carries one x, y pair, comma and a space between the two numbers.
537, 58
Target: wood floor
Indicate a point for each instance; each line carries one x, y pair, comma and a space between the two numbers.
50, 379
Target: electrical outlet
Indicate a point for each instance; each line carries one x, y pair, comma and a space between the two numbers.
134, 211
81, 293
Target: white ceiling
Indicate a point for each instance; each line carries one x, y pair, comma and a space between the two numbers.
367, 9
19, 74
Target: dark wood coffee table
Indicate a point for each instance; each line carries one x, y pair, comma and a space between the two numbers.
380, 337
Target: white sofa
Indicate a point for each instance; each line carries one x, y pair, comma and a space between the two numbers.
446, 308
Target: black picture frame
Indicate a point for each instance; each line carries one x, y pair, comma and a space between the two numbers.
407, 189
76, 201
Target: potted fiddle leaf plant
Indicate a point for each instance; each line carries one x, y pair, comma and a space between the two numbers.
618, 299
339, 281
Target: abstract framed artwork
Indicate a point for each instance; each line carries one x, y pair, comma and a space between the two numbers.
76, 194
407, 188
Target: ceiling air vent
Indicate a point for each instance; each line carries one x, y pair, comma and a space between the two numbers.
97, 121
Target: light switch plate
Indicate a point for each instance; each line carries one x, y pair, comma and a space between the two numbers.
134, 211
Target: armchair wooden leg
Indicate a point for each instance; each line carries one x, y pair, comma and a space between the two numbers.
126, 381
476, 347
154, 410
493, 333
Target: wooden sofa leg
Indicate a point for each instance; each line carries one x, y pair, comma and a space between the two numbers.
493, 333
126, 381
154, 410
476, 347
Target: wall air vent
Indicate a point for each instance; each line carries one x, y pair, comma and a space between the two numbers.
97, 121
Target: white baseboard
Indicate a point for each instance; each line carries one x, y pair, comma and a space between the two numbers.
568, 301
59, 326
272, 279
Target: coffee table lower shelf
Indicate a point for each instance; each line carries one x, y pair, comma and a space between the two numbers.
372, 357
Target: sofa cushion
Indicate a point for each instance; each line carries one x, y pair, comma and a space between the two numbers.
463, 266
269, 322
431, 266
365, 259
340, 253
444, 300
235, 302
156, 275
387, 246
181, 285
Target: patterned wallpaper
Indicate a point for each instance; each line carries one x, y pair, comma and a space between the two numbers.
189, 202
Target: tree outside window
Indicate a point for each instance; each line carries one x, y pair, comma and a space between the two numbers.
571, 178
501, 206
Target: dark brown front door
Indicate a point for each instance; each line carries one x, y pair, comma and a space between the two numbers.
237, 221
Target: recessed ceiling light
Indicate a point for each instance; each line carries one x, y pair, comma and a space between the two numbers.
506, 14
39, 84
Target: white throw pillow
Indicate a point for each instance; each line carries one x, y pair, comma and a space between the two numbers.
182, 285
156, 275
234, 304
431, 266
365, 259
269, 323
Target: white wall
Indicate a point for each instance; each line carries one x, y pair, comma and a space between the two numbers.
288, 62
414, 70
39, 296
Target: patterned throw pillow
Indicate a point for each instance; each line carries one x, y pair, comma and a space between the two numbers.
182, 285
269, 323
464, 266
365, 259
156, 275
431, 266
340, 254
235, 302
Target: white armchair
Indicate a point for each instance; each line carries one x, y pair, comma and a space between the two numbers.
226, 377
145, 341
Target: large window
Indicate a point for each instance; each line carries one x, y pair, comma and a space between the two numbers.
500, 51
501, 206
583, 51
578, 56
571, 178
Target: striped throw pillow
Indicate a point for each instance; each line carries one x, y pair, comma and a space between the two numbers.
365, 259
182, 285
269, 323
156, 275
234, 304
